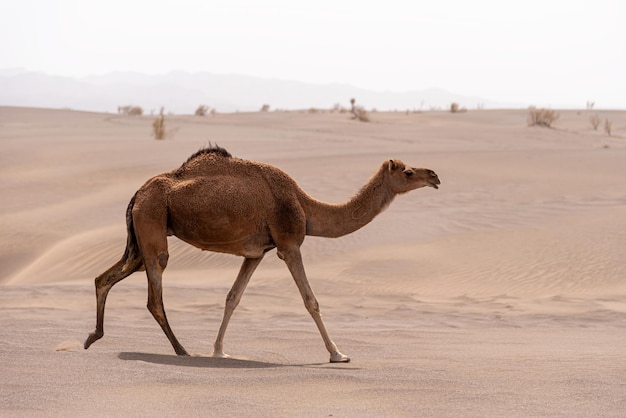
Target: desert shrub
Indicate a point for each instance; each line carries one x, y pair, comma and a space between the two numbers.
202, 110
158, 126
541, 117
607, 126
265, 108
358, 112
595, 121
130, 110
213, 112
456, 108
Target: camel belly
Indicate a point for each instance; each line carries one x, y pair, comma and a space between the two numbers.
220, 216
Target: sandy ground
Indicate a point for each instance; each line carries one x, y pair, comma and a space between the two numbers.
501, 294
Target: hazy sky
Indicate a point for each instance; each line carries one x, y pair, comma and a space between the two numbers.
547, 52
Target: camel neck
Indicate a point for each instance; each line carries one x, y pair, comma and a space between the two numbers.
335, 220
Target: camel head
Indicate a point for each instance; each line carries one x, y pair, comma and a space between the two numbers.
404, 178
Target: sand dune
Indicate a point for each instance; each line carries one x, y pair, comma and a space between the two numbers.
501, 294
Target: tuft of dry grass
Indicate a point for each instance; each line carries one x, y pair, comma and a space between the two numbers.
595, 121
158, 126
541, 117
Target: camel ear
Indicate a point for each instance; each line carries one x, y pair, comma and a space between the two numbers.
392, 165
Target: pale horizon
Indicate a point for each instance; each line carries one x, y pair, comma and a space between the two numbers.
558, 53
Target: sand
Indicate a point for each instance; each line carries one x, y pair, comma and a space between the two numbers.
503, 293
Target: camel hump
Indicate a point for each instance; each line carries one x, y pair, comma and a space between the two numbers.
211, 150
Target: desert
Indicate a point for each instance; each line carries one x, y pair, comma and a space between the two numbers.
502, 293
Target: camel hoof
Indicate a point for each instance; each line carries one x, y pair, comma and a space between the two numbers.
339, 358
92, 338
219, 354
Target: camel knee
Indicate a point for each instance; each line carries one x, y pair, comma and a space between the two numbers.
232, 299
103, 285
236, 292
100, 282
105, 279
120, 270
162, 258
312, 306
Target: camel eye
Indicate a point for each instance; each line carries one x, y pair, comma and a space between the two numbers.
408, 173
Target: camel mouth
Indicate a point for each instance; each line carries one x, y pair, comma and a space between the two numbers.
433, 179
434, 183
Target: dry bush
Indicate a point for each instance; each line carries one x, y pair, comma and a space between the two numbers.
130, 110
202, 110
456, 108
265, 108
158, 126
595, 121
541, 117
213, 112
607, 126
358, 112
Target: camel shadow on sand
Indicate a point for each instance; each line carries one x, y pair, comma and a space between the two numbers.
215, 363
197, 361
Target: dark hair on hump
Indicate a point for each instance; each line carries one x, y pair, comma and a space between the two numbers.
210, 149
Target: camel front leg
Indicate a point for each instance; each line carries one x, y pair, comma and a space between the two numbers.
232, 300
293, 259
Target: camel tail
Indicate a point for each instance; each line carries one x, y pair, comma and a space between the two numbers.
132, 255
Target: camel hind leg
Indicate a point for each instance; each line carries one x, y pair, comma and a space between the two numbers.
150, 228
104, 282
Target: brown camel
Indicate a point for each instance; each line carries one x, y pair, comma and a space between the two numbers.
220, 203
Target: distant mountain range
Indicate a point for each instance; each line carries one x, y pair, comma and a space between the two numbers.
182, 92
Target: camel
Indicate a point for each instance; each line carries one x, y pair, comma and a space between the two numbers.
220, 203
